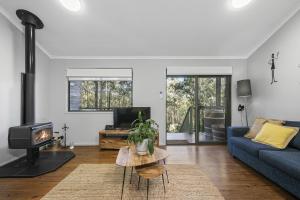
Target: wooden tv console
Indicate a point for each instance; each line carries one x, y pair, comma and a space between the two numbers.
113, 139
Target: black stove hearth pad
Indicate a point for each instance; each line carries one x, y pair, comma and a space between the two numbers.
48, 161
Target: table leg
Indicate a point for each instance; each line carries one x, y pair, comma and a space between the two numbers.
166, 171
131, 175
147, 189
139, 182
100, 139
123, 182
163, 179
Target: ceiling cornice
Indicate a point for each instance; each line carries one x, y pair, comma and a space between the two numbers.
287, 18
148, 57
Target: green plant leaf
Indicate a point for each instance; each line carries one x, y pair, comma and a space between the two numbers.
151, 147
141, 130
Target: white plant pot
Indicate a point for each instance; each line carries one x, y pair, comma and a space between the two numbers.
142, 147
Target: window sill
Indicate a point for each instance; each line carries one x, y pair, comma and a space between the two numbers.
89, 112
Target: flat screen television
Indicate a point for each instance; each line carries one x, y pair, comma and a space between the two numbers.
123, 117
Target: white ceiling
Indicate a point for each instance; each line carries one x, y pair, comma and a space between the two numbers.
165, 28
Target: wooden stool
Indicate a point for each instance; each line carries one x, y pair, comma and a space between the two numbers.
151, 172
148, 165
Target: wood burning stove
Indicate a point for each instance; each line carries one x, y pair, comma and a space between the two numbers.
30, 135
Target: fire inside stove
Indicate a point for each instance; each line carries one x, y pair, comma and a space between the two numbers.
42, 136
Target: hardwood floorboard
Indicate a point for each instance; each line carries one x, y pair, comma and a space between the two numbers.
235, 180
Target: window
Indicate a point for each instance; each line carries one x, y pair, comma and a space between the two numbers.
101, 92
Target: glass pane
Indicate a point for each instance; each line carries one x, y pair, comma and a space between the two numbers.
74, 95
207, 94
91, 95
103, 94
223, 91
180, 110
87, 95
212, 101
82, 95
119, 94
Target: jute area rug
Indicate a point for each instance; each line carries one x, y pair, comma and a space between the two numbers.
104, 181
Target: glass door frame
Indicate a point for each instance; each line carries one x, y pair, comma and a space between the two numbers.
228, 106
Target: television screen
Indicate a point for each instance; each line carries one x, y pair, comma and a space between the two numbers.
123, 117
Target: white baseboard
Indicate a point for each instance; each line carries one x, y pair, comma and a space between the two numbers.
86, 144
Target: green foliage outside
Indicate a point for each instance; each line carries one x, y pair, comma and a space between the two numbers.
181, 96
104, 95
87, 94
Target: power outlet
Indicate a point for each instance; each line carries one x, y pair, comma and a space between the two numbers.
161, 95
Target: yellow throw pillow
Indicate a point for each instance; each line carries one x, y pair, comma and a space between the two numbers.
275, 135
254, 130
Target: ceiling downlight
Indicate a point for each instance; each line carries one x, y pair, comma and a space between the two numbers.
72, 5
240, 3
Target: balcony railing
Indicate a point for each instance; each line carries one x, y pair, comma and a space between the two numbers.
188, 124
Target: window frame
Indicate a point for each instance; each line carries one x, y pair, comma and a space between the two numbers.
94, 110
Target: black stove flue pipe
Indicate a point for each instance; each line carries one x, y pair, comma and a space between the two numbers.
31, 22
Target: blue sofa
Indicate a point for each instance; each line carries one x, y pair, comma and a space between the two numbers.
280, 166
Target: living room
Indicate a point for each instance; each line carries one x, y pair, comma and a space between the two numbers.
77, 65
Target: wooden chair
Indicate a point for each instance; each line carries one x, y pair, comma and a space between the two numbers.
150, 172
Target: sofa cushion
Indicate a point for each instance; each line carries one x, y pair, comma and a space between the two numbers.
296, 141
254, 130
287, 160
249, 146
277, 136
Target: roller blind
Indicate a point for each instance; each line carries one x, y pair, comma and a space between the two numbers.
201, 70
121, 74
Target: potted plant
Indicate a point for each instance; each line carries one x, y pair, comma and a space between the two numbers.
143, 134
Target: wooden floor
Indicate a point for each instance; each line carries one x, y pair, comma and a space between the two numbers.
234, 179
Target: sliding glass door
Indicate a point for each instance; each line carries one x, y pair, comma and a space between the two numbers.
181, 110
213, 108
198, 109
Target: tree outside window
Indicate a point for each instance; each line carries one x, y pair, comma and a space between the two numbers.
90, 95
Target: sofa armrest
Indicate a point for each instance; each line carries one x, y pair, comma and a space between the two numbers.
236, 131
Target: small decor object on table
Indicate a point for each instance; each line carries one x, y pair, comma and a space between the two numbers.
143, 135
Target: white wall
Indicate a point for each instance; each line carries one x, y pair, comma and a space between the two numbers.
149, 78
12, 64
280, 100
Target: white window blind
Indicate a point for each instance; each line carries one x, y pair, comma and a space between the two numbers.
121, 74
201, 70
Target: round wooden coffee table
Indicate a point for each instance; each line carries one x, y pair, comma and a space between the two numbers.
127, 157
